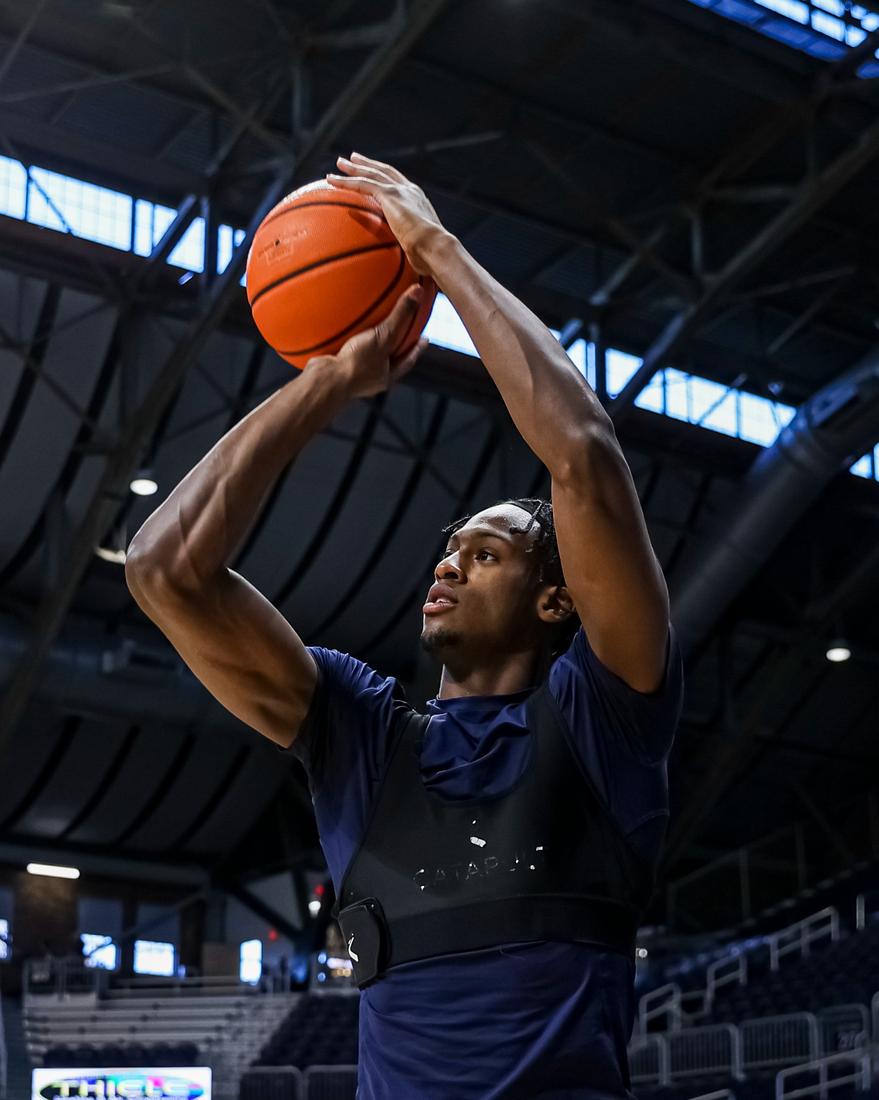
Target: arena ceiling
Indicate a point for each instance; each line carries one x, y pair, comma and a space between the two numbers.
648, 175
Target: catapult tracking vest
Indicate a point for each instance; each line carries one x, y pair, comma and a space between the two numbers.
543, 862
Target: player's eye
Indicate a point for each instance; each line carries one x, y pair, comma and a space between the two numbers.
481, 552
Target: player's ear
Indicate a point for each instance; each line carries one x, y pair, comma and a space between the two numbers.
555, 604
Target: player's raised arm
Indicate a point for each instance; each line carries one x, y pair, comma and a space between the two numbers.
609, 564
240, 646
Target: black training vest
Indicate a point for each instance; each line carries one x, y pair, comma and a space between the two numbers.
543, 862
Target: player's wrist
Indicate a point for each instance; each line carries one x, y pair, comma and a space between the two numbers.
335, 375
432, 249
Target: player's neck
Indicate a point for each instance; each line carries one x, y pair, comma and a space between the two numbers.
510, 673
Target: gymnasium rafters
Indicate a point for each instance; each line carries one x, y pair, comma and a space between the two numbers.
647, 175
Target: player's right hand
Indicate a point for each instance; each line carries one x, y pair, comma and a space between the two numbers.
367, 361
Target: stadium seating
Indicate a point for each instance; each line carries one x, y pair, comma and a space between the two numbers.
321, 1030
779, 1004
122, 1054
844, 972
755, 1088
222, 1030
115, 1025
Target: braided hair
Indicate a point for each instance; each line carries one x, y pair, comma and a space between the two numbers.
549, 563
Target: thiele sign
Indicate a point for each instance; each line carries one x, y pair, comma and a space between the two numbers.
122, 1084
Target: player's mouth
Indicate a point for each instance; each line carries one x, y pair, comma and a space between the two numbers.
440, 598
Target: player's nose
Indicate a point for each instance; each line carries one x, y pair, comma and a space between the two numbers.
448, 570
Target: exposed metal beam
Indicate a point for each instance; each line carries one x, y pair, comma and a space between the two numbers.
95, 80
21, 38
811, 196
359, 37
640, 26
836, 425
817, 306
800, 109
113, 485
222, 99
261, 908
60, 146
602, 297
119, 678
554, 117
643, 250
781, 677
23, 350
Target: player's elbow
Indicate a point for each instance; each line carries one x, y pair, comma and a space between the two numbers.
150, 576
591, 452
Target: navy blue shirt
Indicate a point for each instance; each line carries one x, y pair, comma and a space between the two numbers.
525, 1020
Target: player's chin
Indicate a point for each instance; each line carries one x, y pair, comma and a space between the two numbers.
439, 637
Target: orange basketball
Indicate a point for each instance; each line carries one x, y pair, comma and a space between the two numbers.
324, 265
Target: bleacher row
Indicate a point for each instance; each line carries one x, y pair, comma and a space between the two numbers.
321, 1031
54, 1029
817, 1006
801, 1007
135, 1027
768, 1021
842, 972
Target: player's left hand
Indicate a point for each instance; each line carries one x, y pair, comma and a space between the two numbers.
412, 219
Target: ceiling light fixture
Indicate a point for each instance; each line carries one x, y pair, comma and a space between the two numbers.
51, 871
143, 484
838, 651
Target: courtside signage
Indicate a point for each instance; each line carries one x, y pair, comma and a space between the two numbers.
138, 1083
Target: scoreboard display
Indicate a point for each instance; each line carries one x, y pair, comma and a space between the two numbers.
129, 1083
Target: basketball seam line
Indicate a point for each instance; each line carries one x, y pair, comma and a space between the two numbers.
319, 263
343, 332
322, 202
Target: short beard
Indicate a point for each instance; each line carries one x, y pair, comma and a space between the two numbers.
440, 641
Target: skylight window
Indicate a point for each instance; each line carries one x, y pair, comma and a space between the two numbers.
793, 9
112, 218
446, 328
13, 188
150, 222
822, 28
84, 209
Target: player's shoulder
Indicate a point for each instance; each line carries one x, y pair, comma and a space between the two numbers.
580, 656
345, 674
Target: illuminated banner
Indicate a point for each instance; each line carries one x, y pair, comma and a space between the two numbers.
122, 1084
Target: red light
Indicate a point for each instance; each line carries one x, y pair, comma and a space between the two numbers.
273, 935
319, 889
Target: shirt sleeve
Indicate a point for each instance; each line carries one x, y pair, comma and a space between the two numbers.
589, 694
348, 726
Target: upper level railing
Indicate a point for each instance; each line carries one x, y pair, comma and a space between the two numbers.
796, 1039
866, 909
798, 938
764, 877
680, 1009
814, 1078
61, 976
663, 1003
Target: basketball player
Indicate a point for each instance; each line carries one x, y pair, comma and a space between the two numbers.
492, 857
